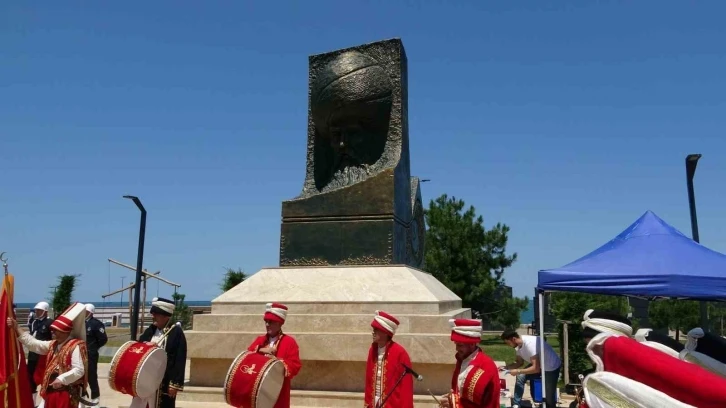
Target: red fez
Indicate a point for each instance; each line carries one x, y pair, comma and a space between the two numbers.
62, 324
385, 323
465, 331
276, 312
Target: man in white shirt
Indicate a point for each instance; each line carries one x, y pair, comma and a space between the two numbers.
528, 351
64, 379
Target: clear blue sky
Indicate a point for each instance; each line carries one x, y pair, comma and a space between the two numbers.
564, 120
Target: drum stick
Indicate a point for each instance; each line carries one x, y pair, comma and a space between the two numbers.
178, 324
434, 397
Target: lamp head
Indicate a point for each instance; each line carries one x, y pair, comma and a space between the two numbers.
136, 201
691, 163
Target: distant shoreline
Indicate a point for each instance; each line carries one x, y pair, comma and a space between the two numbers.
526, 317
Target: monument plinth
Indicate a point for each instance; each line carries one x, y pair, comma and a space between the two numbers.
351, 243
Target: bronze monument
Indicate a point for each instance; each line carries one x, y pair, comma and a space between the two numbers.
359, 204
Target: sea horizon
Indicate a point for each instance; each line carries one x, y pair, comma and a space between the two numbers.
526, 317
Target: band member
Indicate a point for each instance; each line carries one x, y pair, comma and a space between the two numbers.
387, 362
528, 353
39, 328
284, 347
475, 382
64, 379
95, 339
170, 337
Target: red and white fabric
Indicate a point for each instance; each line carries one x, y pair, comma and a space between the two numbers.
609, 390
678, 379
466, 331
702, 360
385, 322
641, 337
276, 312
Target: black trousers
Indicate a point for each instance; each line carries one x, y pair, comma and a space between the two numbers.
93, 374
32, 363
165, 401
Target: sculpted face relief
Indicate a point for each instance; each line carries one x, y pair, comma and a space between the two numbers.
351, 106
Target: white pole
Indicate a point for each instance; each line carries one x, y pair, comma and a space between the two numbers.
566, 351
541, 347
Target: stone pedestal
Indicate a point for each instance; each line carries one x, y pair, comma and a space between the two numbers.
330, 311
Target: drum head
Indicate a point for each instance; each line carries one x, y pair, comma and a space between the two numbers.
151, 373
137, 369
271, 385
254, 381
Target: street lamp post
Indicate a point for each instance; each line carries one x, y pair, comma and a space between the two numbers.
139, 264
691, 163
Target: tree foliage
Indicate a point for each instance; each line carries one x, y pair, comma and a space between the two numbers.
469, 259
678, 315
571, 307
232, 278
511, 310
63, 293
182, 313
684, 315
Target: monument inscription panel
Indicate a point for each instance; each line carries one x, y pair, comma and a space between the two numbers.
358, 202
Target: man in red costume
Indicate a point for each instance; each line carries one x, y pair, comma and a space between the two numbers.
65, 376
475, 382
387, 362
282, 346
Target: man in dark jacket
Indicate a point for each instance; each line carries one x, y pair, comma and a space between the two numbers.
96, 338
165, 334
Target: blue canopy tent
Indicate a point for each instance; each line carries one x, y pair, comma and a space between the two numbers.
649, 259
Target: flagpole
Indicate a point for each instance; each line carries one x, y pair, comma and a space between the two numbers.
10, 290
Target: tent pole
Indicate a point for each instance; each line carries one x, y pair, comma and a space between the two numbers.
541, 347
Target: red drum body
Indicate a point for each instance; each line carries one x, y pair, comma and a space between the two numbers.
137, 369
254, 381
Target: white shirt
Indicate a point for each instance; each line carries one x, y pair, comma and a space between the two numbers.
464, 371
379, 373
43, 348
530, 348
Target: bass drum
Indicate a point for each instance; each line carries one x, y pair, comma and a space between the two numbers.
254, 381
137, 369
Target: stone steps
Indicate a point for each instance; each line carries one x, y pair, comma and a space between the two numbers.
193, 397
210, 397
317, 323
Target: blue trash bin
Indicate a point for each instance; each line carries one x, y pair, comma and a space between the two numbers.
535, 386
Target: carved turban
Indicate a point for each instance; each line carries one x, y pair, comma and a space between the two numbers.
352, 83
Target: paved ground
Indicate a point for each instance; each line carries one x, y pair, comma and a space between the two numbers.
113, 399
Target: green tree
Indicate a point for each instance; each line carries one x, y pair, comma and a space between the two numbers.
182, 313
572, 307
678, 315
63, 293
469, 259
232, 278
511, 311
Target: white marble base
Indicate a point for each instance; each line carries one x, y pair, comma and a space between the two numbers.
330, 310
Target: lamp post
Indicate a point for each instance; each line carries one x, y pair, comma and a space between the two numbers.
139, 263
121, 295
691, 163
